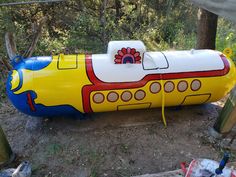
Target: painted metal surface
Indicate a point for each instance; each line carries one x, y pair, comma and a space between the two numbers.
127, 77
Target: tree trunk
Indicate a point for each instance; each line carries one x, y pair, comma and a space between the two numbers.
206, 30
37, 32
29, 2
103, 21
118, 8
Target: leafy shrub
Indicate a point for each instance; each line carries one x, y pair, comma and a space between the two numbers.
3, 77
226, 36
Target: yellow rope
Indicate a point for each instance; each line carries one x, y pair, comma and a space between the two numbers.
163, 103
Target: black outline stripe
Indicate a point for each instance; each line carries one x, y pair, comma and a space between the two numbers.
147, 103
157, 67
209, 96
58, 63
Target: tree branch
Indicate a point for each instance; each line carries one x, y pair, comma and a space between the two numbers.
10, 45
30, 2
37, 33
6, 63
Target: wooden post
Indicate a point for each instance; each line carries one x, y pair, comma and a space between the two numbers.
206, 29
227, 119
5, 149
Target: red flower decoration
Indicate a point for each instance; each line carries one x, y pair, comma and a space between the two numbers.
127, 55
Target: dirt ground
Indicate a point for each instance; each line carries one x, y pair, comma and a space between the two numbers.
114, 143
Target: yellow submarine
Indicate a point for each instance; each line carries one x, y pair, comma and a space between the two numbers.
126, 77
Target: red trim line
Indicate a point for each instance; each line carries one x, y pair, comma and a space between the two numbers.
30, 102
99, 85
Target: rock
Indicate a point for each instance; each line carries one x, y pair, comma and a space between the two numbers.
23, 170
7, 173
214, 134
34, 124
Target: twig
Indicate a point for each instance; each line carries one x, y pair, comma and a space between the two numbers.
30, 2
232, 140
6, 63
37, 33
10, 45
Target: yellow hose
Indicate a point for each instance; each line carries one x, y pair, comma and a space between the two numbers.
163, 103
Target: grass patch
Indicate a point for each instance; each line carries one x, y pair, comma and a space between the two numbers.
124, 148
54, 149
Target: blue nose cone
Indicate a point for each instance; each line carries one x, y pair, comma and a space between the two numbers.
15, 82
24, 100
21, 91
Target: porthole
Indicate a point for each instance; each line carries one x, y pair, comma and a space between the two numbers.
98, 98
155, 87
112, 97
196, 85
169, 86
139, 95
126, 96
182, 86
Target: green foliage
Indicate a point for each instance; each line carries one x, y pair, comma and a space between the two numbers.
226, 36
90, 25
3, 77
54, 149
185, 41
